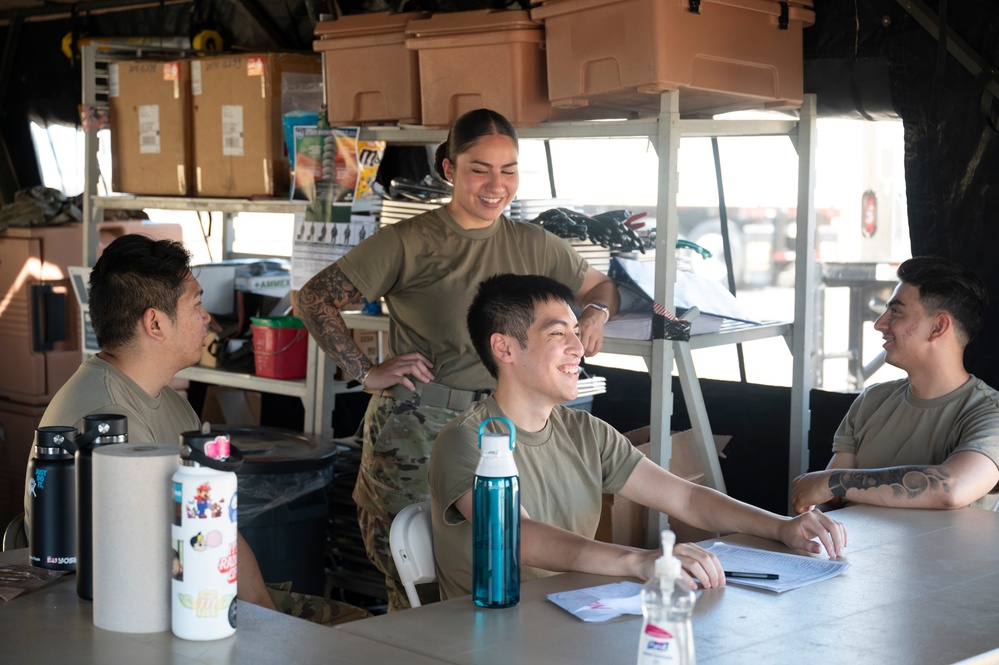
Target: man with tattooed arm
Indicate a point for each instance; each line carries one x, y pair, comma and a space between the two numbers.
930, 440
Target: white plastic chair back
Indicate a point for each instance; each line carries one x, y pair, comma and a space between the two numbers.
412, 543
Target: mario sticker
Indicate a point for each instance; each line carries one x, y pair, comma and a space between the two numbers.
203, 505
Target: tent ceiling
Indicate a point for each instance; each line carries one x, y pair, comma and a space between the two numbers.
47, 9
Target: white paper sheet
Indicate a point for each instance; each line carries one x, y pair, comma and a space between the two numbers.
795, 571
600, 603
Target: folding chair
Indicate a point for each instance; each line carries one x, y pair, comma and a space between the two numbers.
14, 536
412, 543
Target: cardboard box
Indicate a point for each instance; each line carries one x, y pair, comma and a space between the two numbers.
731, 55
368, 341
150, 103
239, 147
370, 74
508, 50
624, 522
231, 406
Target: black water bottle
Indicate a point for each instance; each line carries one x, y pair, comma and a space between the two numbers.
52, 499
98, 429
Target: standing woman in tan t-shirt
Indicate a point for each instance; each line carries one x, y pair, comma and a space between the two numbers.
427, 268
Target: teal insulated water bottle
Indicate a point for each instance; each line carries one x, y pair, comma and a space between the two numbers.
496, 521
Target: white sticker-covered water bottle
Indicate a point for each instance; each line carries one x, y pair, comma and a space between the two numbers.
204, 537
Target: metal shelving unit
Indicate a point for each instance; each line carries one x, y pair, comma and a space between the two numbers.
665, 132
317, 391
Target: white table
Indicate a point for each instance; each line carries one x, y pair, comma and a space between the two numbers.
52, 625
923, 588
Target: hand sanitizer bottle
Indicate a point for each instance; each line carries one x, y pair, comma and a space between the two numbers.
667, 603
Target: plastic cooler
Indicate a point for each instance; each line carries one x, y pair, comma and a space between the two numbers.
280, 347
370, 74
731, 55
481, 59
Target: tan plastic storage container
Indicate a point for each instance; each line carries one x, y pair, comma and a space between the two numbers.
481, 59
732, 55
370, 74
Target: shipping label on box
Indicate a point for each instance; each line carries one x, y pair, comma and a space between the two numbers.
149, 129
232, 130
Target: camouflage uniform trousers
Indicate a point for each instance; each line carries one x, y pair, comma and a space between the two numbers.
398, 437
316, 609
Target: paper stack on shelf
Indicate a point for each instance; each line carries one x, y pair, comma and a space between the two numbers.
593, 385
598, 257
390, 211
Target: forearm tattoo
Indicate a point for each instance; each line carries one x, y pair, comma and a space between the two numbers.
319, 303
906, 482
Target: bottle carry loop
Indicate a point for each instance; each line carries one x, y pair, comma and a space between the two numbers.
211, 449
513, 429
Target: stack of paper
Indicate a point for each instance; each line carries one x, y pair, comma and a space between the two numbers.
594, 385
793, 570
390, 211
607, 601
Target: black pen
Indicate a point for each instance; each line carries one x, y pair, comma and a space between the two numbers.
751, 576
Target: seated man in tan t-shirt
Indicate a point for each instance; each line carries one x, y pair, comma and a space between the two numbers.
147, 313
526, 334
930, 440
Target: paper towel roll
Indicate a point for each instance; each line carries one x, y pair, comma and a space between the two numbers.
133, 503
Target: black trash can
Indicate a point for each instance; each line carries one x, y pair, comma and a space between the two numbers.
283, 506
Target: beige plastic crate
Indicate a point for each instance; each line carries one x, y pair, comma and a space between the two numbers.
370, 74
732, 55
481, 59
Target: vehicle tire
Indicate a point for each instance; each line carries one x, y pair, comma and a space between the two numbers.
708, 235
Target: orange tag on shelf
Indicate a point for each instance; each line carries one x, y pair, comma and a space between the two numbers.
255, 65
171, 71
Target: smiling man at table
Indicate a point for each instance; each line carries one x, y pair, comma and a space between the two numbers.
527, 336
930, 440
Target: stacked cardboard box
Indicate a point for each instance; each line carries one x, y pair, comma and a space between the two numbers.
150, 104
239, 146
369, 343
624, 522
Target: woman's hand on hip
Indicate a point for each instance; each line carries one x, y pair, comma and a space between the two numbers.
398, 370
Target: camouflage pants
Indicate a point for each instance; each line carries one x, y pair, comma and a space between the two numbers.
398, 437
319, 610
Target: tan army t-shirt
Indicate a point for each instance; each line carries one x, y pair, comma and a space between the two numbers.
564, 470
428, 269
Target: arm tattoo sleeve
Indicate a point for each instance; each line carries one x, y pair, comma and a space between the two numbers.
906, 482
319, 303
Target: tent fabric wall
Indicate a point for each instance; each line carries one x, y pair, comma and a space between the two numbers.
951, 151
